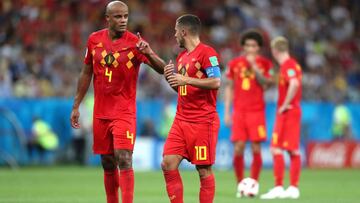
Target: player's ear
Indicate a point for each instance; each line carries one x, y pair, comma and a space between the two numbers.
183, 32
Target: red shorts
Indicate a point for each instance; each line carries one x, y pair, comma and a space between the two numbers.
113, 134
286, 133
194, 141
249, 126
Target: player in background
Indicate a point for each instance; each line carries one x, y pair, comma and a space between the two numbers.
248, 75
286, 134
194, 132
114, 56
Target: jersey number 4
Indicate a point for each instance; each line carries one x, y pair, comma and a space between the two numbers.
200, 153
108, 74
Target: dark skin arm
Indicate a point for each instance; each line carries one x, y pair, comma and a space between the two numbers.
82, 87
155, 61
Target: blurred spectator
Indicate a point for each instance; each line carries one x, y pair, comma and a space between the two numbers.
42, 140
42, 42
341, 122
167, 119
148, 129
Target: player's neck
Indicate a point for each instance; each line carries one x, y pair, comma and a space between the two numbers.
192, 43
113, 35
283, 57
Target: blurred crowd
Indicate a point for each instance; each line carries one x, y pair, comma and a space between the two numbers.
42, 41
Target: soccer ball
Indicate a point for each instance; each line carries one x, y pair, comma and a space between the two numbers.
248, 187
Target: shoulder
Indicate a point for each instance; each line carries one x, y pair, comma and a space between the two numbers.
131, 37
207, 50
97, 35
265, 61
236, 60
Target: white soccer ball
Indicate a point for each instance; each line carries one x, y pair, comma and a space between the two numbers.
248, 187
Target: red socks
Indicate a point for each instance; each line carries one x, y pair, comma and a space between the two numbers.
174, 186
127, 185
207, 189
279, 168
111, 182
295, 167
256, 166
239, 167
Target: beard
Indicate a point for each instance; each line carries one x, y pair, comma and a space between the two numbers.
181, 43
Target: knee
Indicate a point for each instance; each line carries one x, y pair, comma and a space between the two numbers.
239, 148
166, 165
256, 147
204, 171
124, 159
108, 163
170, 162
275, 150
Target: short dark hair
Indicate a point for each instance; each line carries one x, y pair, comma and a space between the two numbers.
254, 35
192, 22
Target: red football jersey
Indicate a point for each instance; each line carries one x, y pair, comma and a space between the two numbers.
248, 92
116, 67
288, 70
196, 104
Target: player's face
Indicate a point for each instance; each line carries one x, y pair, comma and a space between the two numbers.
179, 36
274, 53
118, 18
251, 47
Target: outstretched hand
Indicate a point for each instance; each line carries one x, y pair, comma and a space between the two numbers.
143, 46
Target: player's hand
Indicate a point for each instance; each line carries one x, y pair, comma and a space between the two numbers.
143, 46
251, 58
169, 70
227, 119
176, 80
284, 108
74, 118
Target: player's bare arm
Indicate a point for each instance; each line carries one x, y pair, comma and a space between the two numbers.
260, 77
155, 61
228, 98
205, 83
82, 87
291, 92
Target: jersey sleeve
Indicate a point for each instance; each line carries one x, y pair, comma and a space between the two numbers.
210, 60
88, 55
291, 71
229, 70
141, 58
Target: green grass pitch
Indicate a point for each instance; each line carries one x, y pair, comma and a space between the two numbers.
77, 184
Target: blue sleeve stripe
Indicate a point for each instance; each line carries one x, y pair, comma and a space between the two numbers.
213, 72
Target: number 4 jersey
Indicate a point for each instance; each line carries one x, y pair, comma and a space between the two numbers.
116, 67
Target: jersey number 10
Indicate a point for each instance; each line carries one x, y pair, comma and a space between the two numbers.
200, 153
182, 90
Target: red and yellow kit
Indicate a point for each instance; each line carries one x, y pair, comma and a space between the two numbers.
249, 105
287, 125
115, 66
194, 132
